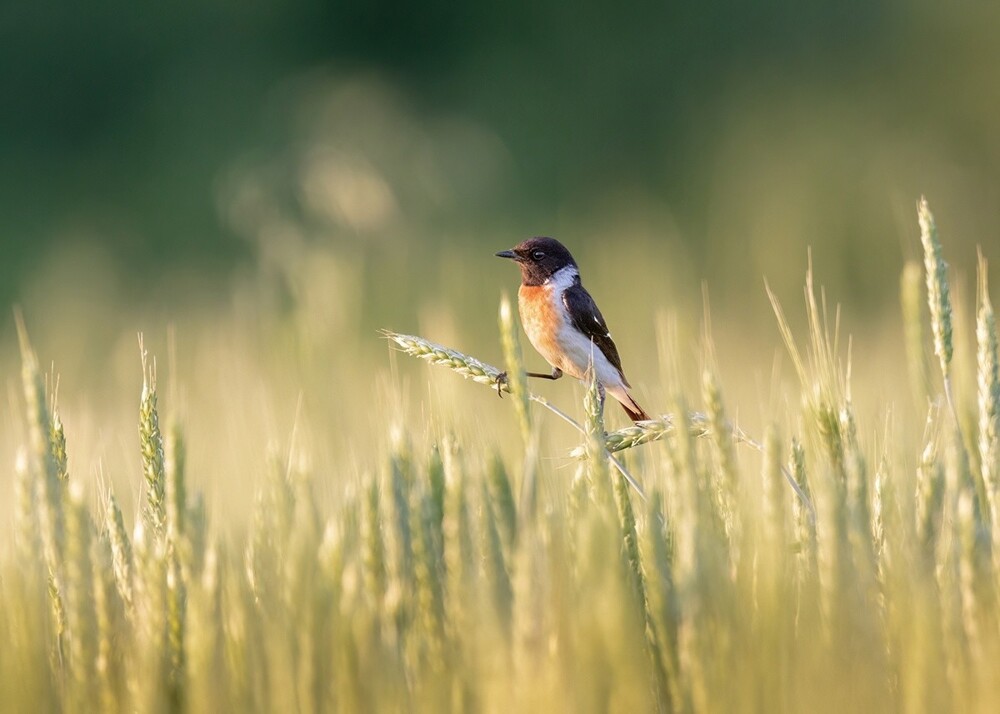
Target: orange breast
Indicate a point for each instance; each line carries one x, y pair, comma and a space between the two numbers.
541, 321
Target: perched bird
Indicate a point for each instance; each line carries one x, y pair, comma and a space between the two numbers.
563, 322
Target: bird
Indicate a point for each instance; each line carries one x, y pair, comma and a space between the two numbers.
563, 323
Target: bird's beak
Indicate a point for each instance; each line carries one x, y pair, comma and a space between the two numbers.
507, 254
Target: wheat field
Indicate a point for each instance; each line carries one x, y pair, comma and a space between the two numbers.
451, 562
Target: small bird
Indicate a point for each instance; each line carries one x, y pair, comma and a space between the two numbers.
562, 320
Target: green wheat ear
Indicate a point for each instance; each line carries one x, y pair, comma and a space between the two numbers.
468, 367
938, 296
939, 301
151, 446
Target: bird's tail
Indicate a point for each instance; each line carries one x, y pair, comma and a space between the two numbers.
634, 411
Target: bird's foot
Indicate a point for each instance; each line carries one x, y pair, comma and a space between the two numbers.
501, 380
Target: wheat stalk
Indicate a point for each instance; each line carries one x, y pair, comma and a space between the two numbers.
596, 453
515, 376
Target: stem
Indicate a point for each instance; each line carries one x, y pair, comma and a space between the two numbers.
572, 422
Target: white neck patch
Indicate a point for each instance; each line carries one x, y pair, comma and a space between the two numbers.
563, 278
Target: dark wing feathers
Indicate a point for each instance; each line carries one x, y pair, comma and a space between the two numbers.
585, 316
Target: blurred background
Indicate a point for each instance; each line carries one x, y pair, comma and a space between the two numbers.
260, 186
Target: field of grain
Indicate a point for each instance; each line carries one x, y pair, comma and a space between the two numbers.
310, 519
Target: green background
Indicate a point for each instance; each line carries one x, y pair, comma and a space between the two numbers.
735, 134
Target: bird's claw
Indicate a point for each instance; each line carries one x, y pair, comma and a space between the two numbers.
501, 380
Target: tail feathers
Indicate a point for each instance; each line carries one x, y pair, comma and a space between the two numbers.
634, 411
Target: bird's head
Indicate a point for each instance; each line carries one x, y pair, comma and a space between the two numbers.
539, 259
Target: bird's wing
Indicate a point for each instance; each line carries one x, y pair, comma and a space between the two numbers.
585, 317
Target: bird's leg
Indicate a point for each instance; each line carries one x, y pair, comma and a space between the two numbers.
556, 374
502, 378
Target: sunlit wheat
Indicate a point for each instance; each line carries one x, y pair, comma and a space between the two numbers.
818, 569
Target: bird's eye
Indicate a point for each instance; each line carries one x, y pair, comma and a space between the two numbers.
538, 255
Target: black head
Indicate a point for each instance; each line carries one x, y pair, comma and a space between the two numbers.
539, 258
